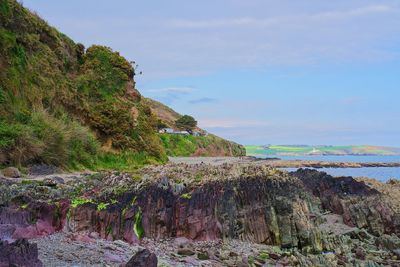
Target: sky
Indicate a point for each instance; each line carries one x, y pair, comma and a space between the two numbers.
257, 71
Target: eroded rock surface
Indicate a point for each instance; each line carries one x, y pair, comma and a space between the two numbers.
313, 218
20, 253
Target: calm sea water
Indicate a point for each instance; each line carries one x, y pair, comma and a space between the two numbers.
382, 174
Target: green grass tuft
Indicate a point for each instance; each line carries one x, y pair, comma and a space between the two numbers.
138, 226
80, 201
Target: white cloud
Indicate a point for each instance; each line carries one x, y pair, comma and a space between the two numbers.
268, 22
230, 123
362, 11
207, 36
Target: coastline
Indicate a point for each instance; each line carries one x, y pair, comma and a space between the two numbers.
219, 214
279, 163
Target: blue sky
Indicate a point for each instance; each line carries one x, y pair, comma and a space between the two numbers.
257, 71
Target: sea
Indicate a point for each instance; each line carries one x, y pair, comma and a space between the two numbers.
382, 173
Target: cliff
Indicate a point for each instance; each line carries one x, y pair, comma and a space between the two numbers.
64, 105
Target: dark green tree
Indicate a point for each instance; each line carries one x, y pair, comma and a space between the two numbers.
161, 125
187, 123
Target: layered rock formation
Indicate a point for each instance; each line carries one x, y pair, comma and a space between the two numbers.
19, 253
307, 211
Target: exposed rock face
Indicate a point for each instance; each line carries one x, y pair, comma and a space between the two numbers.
19, 253
360, 205
143, 258
26, 218
253, 209
308, 212
276, 210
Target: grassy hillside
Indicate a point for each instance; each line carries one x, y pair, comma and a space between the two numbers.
64, 105
166, 114
207, 146
211, 145
320, 150
59, 104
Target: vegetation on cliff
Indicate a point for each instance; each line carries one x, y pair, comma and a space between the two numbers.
210, 145
64, 105
184, 146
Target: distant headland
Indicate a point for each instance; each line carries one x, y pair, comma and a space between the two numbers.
321, 150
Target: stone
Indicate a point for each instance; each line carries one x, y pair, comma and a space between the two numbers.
143, 258
19, 253
274, 256
94, 235
58, 180
360, 253
203, 256
49, 182
185, 252
11, 172
182, 242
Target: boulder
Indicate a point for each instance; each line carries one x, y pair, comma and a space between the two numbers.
11, 172
143, 258
20, 253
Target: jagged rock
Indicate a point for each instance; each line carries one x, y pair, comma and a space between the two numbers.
388, 242
19, 253
257, 205
11, 172
310, 214
143, 258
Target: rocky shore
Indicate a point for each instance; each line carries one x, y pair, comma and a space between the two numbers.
246, 214
279, 163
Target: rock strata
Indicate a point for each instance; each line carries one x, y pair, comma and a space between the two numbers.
306, 218
20, 253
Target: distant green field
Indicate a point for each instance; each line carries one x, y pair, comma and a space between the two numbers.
288, 150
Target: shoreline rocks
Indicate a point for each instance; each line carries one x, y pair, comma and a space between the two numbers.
19, 253
311, 217
143, 258
277, 162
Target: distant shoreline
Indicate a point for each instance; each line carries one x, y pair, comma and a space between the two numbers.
299, 151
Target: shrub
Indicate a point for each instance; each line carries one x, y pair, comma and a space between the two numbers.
17, 144
124, 161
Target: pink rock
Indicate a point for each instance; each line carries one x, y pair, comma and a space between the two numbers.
131, 238
81, 237
25, 232
113, 258
44, 227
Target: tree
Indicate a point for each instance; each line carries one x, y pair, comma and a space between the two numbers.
161, 125
187, 123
